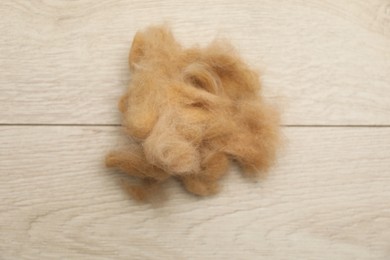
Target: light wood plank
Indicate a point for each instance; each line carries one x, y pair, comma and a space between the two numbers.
328, 198
326, 62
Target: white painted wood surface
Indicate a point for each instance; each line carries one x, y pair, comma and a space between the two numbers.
63, 65
326, 62
327, 199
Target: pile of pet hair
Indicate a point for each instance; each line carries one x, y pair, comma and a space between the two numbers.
189, 112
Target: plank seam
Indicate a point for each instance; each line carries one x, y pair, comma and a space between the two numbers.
118, 125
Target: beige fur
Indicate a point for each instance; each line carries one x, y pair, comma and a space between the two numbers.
191, 111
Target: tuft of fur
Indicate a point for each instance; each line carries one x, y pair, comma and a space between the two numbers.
190, 111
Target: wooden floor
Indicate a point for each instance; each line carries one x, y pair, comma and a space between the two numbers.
63, 66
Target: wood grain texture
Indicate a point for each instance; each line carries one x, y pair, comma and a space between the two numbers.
324, 61
328, 199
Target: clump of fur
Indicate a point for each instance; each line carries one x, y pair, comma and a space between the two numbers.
191, 111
